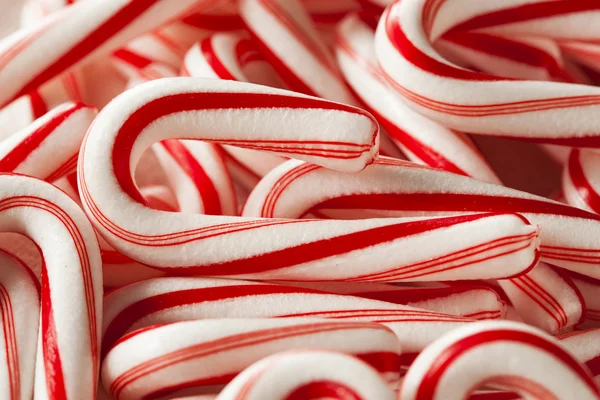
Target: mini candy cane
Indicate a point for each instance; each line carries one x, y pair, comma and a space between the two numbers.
49, 147
583, 345
210, 353
581, 182
352, 135
71, 290
396, 188
19, 303
291, 43
474, 102
308, 374
422, 140
169, 299
469, 301
525, 360
545, 298
304, 250
96, 28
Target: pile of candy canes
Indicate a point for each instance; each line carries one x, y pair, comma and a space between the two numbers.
280, 200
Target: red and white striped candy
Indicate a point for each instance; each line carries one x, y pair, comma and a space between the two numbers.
474, 102
581, 180
308, 374
19, 303
170, 299
33, 56
422, 140
202, 355
546, 298
504, 354
71, 290
469, 301
49, 147
394, 188
229, 112
291, 43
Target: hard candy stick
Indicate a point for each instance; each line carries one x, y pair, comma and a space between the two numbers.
422, 140
284, 376
581, 181
525, 360
546, 298
20, 304
48, 148
470, 301
71, 291
209, 353
95, 29
289, 40
468, 101
394, 188
170, 299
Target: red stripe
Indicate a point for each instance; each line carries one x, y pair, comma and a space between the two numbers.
582, 185
215, 22
55, 379
19, 153
213, 60
526, 12
38, 104
445, 360
112, 26
412, 295
134, 59
192, 168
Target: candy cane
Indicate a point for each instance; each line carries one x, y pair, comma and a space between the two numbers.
96, 28
397, 188
474, 102
581, 183
49, 147
291, 43
347, 148
71, 290
545, 298
469, 301
194, 244
19, 303
422, 140
524, 360
583, 345
211, 353
169, 299
330, 375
